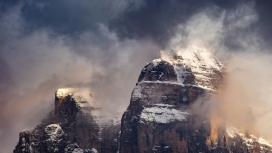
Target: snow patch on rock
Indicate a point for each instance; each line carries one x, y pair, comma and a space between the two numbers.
94, 150
136, 93
163, 113
177, 83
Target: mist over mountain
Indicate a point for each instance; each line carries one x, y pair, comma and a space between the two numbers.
103, 46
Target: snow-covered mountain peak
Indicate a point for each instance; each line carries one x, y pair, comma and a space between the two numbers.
193, 66
193, 56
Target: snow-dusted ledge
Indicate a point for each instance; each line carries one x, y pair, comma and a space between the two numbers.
162, 113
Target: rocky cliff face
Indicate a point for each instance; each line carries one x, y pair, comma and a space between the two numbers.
159, 118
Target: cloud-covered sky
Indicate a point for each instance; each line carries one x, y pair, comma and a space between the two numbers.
49, 44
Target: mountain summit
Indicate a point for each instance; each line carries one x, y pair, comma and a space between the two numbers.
198, 67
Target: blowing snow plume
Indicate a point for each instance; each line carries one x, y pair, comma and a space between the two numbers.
246, 93
243, 102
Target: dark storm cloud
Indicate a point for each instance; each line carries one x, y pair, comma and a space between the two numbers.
264, 24
158, 19
236, 27
5, 4
65, 17
257, 33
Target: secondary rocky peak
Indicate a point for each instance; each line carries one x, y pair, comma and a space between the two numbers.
77, 124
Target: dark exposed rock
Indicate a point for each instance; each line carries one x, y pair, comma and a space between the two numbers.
162, 71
